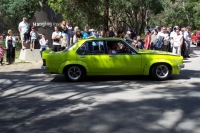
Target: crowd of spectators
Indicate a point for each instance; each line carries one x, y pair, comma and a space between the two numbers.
170, 39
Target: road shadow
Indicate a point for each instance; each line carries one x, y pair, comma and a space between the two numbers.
145, 116
34, 103
61, 78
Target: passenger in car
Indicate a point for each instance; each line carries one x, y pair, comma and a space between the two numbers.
113, 48
117, 48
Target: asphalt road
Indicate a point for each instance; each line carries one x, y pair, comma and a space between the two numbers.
32, 102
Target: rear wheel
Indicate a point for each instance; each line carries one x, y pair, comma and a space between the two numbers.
74, 73
161, 71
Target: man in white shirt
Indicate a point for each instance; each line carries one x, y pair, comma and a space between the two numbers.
177, 42
173, 33
56, 36
166, 38
22, 27
187, 41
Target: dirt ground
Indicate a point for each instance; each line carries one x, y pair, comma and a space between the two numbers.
20, 66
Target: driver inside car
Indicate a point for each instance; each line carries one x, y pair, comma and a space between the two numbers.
117, 48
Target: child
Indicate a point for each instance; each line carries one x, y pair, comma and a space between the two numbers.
43, 44
34, 36
26, 38
2, 49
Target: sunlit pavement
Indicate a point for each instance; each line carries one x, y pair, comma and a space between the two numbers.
32, 102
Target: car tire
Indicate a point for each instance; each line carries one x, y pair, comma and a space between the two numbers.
74, 73
161, 71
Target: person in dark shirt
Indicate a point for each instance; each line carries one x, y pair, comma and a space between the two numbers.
133, 33
120, 32
111, 32
26, 38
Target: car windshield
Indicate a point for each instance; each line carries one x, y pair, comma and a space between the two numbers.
137, 50
68, 47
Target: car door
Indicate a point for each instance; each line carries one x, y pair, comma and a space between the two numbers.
126, 61
92, 53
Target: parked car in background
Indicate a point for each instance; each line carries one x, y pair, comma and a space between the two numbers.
196, 38
110, 56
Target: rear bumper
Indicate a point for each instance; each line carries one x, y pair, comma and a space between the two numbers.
181, 66
44, 67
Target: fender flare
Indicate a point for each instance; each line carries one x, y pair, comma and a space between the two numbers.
147, 67
72, 62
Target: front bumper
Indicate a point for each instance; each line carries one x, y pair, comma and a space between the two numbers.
181, 66
44, 67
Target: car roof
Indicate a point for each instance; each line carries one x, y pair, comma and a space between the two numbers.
103, 39
81, 41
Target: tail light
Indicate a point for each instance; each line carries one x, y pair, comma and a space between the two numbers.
44, 62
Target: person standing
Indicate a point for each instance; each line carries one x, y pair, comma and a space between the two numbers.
56, 36
133, 33
2, 49
127, 38
120, 32
87, 33
164, 34
76, 28
153, 38
64, 38
22, 27
10, 45
111, 32
187, 38
76, 37
177, 42
34, 36
69, 32
147, 40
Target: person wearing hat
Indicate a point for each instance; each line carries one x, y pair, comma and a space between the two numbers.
127, 37
34, 36
87, 33
22, 27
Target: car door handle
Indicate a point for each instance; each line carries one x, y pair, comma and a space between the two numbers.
82, 56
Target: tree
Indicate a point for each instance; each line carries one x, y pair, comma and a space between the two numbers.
193, 13
12, 11
109, 12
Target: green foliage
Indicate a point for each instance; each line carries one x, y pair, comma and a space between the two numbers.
101, 14
12, 12
2, 42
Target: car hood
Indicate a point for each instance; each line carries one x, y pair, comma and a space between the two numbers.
156, 52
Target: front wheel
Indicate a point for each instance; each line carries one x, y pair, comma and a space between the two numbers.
74, 73
161, 71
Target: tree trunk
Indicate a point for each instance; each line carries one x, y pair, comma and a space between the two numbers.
106, 15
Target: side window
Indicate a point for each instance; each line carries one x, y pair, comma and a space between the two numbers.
92, 47
118, 47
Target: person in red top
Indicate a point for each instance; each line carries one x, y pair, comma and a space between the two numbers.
147, 40
2, 49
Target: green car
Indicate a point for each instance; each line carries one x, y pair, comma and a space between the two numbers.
110, 56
